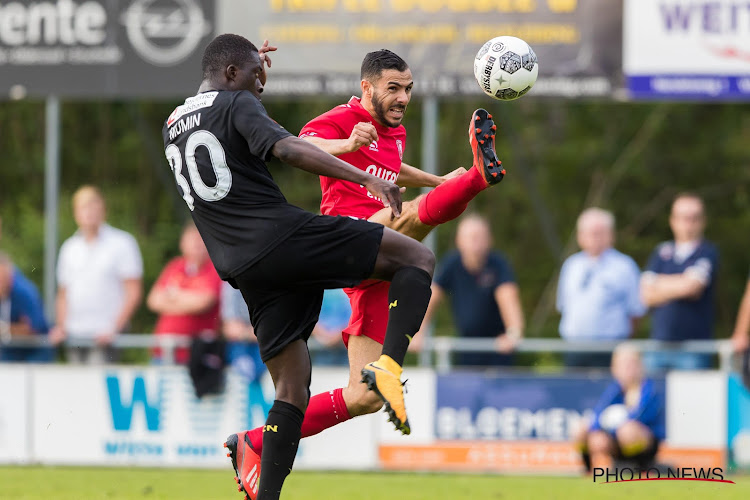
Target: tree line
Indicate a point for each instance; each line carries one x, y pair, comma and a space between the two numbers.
561, 156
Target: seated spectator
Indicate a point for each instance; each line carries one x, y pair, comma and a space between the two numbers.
483, 293
597, 295
186, 295
678, 286
99, 276
21, 315
334, 316
628, 421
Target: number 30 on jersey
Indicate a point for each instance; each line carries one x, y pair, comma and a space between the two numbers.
218, 163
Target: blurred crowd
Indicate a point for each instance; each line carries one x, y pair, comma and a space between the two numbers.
602, 294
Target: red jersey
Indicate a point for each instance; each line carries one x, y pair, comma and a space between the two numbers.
176, 274
381, 159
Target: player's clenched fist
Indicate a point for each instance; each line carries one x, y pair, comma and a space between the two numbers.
388, 192
363, 134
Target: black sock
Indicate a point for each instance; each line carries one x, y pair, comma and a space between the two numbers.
408, 299
281, 436
586, 460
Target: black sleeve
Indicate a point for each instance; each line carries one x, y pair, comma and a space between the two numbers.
250, 119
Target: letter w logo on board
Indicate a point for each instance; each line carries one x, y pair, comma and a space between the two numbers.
123, 408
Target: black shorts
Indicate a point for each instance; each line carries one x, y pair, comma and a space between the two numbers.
284, 290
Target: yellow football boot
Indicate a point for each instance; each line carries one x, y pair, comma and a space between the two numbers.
384, 378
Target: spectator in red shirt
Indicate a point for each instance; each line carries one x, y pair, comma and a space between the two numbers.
186, 295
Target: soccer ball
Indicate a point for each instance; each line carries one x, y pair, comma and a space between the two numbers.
613, 417
506, 68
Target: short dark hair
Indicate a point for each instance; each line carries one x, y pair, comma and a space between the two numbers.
225, 50
376, 62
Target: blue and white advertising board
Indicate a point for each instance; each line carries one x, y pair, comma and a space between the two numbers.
687, 49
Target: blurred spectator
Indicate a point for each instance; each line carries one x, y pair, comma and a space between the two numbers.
186, 294
21, 315
597, 294
628, 421
741, 335
679, 287
483, 292
243, 353
99, 274
334, 316
242, 345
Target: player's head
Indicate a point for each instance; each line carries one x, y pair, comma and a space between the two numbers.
89, 210
232, 62
473, 239
192, 247
687, 218
6, 274
386, 86
595, 230
626, 367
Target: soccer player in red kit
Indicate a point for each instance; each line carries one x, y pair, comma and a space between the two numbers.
367, 133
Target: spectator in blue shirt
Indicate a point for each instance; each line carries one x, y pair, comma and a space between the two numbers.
334, 316
597, 294
243, 354
628, 421
678, 286
483, 293
21, 315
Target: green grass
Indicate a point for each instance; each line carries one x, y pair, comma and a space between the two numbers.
32, 483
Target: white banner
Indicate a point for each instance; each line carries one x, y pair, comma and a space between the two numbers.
150, 416
14, 416
131, 416
687, 48
697, 409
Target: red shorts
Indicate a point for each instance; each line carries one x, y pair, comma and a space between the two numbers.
369, 317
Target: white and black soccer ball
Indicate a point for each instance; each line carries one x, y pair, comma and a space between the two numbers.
506, 68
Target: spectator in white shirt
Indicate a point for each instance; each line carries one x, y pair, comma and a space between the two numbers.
99, 274
598, 292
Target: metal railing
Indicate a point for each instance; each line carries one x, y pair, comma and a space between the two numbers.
441, 347
444, 346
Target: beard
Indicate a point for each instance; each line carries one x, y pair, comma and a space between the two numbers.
381, 110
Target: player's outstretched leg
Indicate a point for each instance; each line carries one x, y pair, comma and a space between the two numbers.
450, 199
408, 265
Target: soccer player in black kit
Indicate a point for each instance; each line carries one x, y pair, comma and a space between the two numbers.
280, 256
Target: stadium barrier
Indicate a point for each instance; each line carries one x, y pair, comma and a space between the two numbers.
440, 347
465, 420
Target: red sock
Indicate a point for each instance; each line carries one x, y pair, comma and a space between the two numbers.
450, 199
323, 411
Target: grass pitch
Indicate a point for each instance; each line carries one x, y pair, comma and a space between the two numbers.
64, 483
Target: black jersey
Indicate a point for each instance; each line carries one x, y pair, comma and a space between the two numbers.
217, 144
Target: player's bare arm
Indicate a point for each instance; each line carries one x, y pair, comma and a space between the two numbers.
305, 156
414, 177
363, 134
